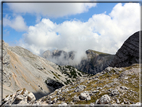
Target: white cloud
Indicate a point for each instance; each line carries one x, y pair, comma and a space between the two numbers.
105, 33
51, 9
18, 23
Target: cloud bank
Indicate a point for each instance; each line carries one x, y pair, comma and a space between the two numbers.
18, 23
51, 9
102, 32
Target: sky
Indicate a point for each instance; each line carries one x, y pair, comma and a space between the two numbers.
70, 26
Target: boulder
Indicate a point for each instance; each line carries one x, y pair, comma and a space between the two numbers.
80, 88
85, 96
31, 97
105, 99
76, 98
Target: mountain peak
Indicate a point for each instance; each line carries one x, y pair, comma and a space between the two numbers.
128, 54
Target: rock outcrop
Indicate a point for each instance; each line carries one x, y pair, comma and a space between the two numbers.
20, 97
128, 54
95, 62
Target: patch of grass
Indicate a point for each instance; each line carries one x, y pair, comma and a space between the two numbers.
67, 82
55, 75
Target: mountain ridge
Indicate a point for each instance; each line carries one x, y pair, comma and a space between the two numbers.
87, 63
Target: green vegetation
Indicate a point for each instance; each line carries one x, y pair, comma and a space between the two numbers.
55, 75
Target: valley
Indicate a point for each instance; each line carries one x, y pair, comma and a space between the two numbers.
99, 78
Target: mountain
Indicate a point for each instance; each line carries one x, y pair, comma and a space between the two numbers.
128, 54
23, 69
93, 63
112, 86
59, 57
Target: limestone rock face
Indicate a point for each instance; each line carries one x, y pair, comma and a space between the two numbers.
95, 62
128, 54
23, 69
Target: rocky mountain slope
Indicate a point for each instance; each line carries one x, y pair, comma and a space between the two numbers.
112, 86
128, 53
93, 63
22, 69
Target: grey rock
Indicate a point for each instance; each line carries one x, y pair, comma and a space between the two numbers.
65, 90
128, 54
99, 88
31, 97
76, 98
105, 99
113, 92
20, 97
85, 96
63, 104
95, 91
117, 101
124, 88
80, 88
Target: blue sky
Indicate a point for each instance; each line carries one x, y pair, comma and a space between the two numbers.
97, 26
11, 36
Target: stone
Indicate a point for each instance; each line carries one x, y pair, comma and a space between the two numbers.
63, 104
19, 97
65, 90
113, 92
124, 88
85, 96
76, 98
117, 101
59, 92
95, 91
99, 88
49, 101
54, 100
91, 105
105, 99
31, 97
80, 88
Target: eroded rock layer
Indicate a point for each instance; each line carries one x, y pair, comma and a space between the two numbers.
128, 54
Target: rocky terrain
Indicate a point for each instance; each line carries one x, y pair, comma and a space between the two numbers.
112, 86
93, 63
22, 69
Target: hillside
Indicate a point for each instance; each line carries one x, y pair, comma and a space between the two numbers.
23, 69
118, 85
